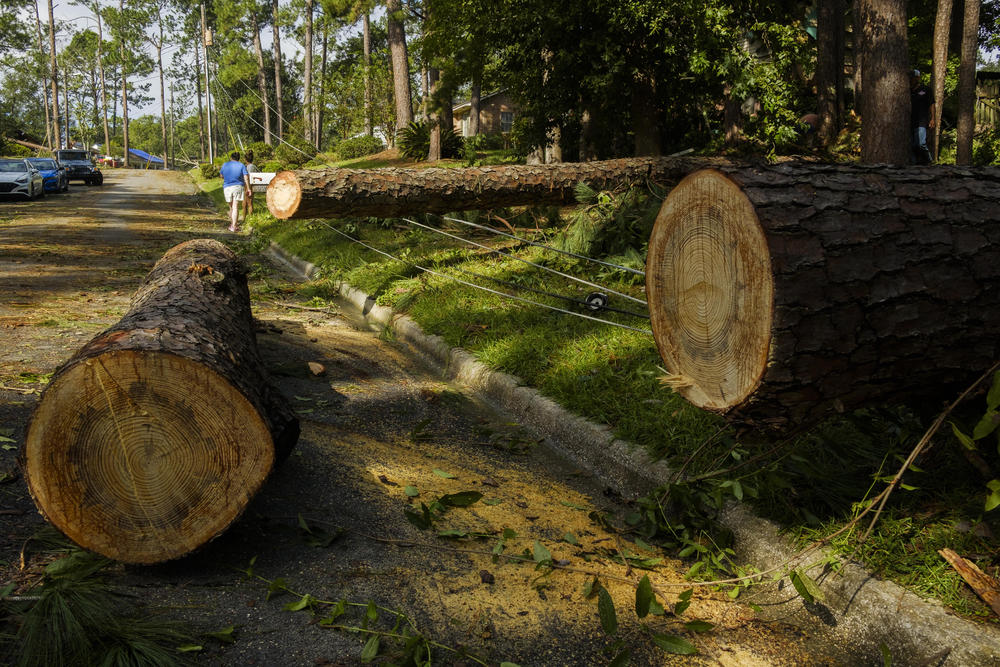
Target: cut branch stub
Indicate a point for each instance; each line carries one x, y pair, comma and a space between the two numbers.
153, 438
391, 192
780, 292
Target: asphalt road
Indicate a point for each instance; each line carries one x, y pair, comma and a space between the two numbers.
381, 433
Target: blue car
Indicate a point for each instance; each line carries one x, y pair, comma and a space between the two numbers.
54, 175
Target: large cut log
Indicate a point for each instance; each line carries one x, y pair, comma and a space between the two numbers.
152, 439
390, 192
779, 292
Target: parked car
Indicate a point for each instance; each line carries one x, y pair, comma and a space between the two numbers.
80, 166
54, 175
18, 177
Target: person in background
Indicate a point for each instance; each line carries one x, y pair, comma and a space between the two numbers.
235, 183
921, 117
248, 200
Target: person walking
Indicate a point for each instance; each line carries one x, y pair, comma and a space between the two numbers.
235, 183
248, 201
921, 117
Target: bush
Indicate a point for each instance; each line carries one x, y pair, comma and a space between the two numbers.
10, 149
986, 148
359, 147
415, 141
261, 151
209, 170
485, 142
272, 167
294, 152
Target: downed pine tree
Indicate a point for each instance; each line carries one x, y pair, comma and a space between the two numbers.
152, 439
780, 292
392, 192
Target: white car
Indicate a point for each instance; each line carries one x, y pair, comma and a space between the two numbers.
19, 177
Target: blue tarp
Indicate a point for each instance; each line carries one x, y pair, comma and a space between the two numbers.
145, 156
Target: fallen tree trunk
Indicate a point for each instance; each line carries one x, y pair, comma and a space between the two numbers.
780, 292
152, 439
390, 192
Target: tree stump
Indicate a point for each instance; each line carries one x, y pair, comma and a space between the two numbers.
151, 440
780, 292
390, 192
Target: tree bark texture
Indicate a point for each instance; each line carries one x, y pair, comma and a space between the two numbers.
276, 46
151, 440
942, 30
400, 63
829, 67
261, 80
966, 126
389, 192
366, 45
778, 293
307, 101
885, 98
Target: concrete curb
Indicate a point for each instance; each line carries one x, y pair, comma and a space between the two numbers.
860, 612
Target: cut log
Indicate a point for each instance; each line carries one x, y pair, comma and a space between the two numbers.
152, 439
779, 292
390, 192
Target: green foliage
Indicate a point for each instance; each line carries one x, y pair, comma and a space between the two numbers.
611, 223
986, 148
414, 141
261, 151
209, 170
359, 147
294, 152
272, 167
984, 428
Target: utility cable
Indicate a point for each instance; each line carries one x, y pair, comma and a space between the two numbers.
546, 247
530, 263
480, 287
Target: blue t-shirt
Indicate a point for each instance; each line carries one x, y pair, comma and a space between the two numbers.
232, 173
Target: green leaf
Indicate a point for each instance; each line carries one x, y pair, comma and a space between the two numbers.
461, 499
643, 596
699, 626
606, 610
336, 612
806, 586
681, 607
509, 664
966, 441
370, 650
411, 491
986, 425
571, 538
591, 588
686, 595
423, 520
993, 396
492, 501
225, 635
453, 533
4, 438
276, 587
993, 499
442, 473
371, 612
540, 553
299, 605
676, 645
574, 505
622, 659
886, 655
190, 648
655, 608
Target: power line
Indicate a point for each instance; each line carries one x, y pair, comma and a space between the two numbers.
480, 287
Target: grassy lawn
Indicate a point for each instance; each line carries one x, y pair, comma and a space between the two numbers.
812, 484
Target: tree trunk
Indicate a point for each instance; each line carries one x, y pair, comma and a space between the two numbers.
433, 118
201, 111
885, 99
151, 440
400, 63
54, 77
475, 95
307, 102
829, 68
45, 82
163, 95
389, 192
942, 29
104, 90
366, 45
276, 42
261, 79
321, 104
966, 126
778, 293
645, 121
121, 11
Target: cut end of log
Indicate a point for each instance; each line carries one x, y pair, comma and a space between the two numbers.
284, 194
160, 455
710, 290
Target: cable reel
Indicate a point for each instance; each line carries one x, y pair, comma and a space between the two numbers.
597, 300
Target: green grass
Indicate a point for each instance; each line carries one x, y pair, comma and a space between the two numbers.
611, 376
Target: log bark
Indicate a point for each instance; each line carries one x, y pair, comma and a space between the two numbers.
389, 192
778, 293
151, 440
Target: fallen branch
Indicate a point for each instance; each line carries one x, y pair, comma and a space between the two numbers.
985, 586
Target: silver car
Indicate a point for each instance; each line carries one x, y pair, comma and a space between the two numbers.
19, 177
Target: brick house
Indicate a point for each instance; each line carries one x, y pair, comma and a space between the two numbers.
496, 115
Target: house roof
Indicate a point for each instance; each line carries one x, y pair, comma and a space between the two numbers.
462, 106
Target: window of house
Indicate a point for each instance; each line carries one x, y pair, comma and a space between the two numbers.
506, 121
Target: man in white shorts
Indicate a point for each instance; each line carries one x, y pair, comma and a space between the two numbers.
235, 183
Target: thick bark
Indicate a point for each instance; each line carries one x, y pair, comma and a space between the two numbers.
966, 126
307, 103
885, 98
942, 29
276, 43
152, 439
829, 67
645, 121
433, 118
124, 71
400, 63
104, 91
333, 193
321, 103
54, 78
261, 79
779, 293
366, 45
45, 84
475, 95
163, 94
201, 111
